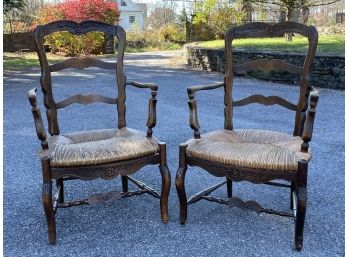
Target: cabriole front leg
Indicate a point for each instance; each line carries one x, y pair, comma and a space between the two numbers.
180, 183
166, 180
301, 192
292, 190
47, 201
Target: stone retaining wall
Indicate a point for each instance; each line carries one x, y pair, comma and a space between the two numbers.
19, 41
328, 70
25, 41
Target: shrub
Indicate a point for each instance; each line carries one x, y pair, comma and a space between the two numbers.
219, 15
78, 10
172, 33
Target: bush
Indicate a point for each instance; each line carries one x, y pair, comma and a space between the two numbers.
219, 15
78, 10
172, 33
167, 37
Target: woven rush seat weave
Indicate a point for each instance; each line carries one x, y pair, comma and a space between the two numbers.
99, 147
256, 149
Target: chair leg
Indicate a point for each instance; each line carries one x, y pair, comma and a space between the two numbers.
180, 183
291, 193
60, 183
47, 201
229, 188
166, 181
301, 192
124, 180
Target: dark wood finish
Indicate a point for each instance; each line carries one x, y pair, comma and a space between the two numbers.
194, 123
301, 203
166, 182
305, 110
143, 186
124, 180
100, 198
47, 200
60, 189
229, 187
267, 65
265, 100
277, 184
151, 119
82, 63
309, 122
195, 198
40, 128
180, 183
85, 99
235, 173
107, 170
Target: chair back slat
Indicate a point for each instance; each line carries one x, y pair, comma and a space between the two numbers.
265, 100
85, 99
267, 65
82, 63
46, 79
79, 28
259, 29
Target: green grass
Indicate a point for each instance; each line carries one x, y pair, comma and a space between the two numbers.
20, 61
164, 47
332, 44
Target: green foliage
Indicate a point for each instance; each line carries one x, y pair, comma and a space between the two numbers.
11, 5
172, 33
90, 43
333, 44
167, 37
71, 45
219, 15
150, 40
20, 61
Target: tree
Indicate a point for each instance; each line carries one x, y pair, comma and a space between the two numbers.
10, 5
160, 17
218, 15
162, 14
297, 10
78, 10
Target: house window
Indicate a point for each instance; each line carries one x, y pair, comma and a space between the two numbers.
123, 3
131, 19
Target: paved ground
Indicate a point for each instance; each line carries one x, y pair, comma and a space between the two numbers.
131, 227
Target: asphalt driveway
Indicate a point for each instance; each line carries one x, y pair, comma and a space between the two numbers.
132, 227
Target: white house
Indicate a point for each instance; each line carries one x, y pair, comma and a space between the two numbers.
133, 15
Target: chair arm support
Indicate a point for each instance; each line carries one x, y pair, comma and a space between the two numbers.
309, 122
193, 119
40, 128
151, 86
151, 119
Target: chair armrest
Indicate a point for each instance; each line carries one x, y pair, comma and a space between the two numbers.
194, 123
151, 86
309, 122
151, 119
40, 128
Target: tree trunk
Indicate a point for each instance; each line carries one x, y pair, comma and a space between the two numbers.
293, 15
305, 14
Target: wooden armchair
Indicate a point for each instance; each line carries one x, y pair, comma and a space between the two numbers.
87, 155
253, 155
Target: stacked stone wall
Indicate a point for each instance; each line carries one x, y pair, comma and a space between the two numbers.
328, 71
